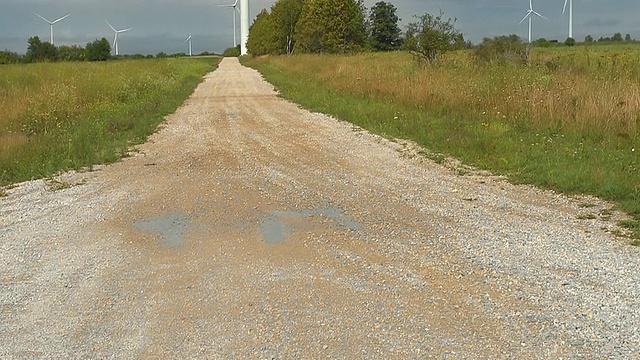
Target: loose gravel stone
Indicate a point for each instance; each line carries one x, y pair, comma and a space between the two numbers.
380, 253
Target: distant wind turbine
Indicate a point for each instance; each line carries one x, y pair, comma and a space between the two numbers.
52, 22
570, 15
234, 9
115, 39
529, 15
189, 40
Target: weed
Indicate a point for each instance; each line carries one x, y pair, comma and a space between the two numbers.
588, 216
56, 185
586, 205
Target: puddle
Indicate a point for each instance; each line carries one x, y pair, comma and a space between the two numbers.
170, 227
275, 229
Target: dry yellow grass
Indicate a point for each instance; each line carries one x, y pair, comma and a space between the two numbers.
582, 89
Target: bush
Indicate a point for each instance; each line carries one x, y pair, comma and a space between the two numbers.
570, 41
501, 50
232, 52
542, 42
431, 37
8, 57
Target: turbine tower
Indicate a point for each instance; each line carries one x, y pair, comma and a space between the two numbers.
529, 15
115, 39
52, 22
244, 26
570, 15
189, 40
234, 9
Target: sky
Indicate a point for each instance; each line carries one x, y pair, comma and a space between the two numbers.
163, 25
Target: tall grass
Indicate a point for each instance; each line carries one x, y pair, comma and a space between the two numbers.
62, 116
570, 121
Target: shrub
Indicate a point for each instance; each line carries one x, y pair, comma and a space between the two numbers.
431, 37
501, 50
9, 57
232, 52
570, 41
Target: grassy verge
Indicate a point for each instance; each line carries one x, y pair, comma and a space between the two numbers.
534, 124
62, 116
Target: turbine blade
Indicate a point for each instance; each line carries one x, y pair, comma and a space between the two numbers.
43, 18
564, 8
112, 28
531, 5
123, 30
62, 18
525, 17
542, 16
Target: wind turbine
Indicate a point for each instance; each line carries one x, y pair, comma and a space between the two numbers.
115, 39
52, 22
529, 15
570, 15
234, 8
244, 26
189, 40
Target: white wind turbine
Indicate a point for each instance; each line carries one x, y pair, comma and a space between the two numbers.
234, 9
564, 9
115, 39
244, 26
189, 40
529, 15
52, 22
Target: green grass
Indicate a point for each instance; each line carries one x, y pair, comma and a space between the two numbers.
596, 158
62, 116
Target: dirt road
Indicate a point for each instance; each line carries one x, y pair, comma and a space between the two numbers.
248, 228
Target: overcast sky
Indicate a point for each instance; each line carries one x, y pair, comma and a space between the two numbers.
162, 25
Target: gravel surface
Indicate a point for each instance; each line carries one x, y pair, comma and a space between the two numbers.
249, 228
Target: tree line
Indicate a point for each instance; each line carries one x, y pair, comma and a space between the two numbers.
44, 51
341, 26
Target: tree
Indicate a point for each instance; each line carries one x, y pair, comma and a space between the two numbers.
334, 26
285, 14
627, 38
9, 57
570, 41
431, 36
39, 51
98, 50
385, 33
261, 39
71, 53
588, 39
617, 37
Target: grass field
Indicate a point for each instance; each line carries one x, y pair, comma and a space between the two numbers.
570, 121
61, 116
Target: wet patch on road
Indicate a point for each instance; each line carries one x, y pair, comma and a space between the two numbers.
170, 227
275, 228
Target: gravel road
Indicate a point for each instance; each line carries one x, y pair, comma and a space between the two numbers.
248, 228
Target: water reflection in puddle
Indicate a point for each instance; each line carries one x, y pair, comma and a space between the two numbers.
275, 230
171, 227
